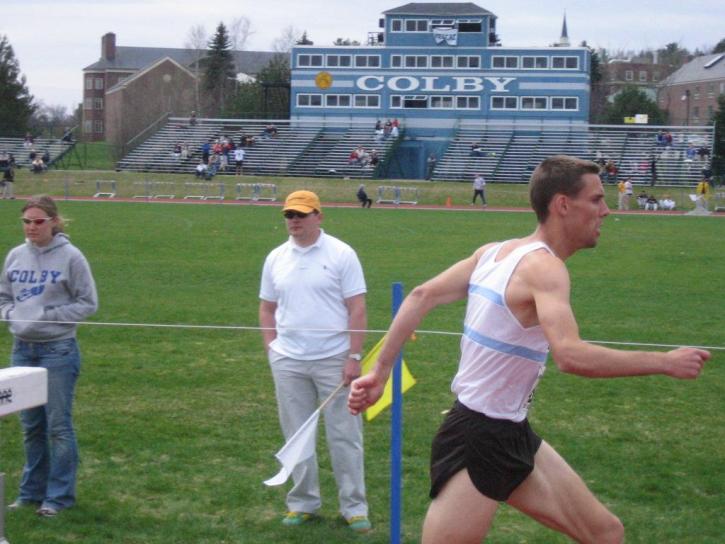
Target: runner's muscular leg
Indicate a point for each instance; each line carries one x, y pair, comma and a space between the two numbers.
554, 495
460, 514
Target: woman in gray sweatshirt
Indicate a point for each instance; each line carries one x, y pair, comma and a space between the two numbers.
46, 288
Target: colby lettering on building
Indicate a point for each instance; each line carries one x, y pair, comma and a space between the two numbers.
463, 84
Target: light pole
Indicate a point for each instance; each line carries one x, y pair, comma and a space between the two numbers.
686, 98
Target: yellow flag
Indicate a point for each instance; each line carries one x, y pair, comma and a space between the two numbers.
387, 398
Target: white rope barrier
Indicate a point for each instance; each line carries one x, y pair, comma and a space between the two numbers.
370, 331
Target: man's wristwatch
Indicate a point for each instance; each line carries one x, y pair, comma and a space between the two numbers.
355, 357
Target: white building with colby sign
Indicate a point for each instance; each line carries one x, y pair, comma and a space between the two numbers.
435, 65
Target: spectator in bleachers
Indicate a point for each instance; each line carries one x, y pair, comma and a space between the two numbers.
270, 131
374, 159
201, 169
185, 154
667, 203
477, 150
394, 131
378, 125
430, 165
32, 155
703, 152
691, 153
239, 160
362, 196
67, 136
177, 151
357, 156
651, 203
387, 127
660, 139
46, 159
395, 123
214, 164
611, 171
205, 152
28, 141
37, 166
653, 170
192, 119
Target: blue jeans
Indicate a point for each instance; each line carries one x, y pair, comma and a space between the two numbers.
51, 450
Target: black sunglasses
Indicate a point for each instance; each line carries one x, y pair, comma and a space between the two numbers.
291, 214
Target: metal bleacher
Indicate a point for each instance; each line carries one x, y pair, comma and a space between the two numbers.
510, 153
55, 148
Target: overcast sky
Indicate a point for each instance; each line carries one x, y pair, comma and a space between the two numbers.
54, 40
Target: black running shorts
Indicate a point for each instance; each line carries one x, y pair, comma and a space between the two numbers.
498, 453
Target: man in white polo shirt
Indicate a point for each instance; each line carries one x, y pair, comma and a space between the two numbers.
313, 315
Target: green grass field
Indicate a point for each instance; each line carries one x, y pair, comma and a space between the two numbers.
178, 427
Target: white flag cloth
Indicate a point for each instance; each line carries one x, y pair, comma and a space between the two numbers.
300, 447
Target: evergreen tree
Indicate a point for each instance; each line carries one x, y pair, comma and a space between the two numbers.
720, 47
15, 99
304, 40
598, 95
718, 159
629, 102
220, 71
267, 96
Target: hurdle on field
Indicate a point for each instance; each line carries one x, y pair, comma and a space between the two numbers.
204, 191
105, 189
256, 191
397, 195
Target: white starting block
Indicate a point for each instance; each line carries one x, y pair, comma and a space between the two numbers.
21, 387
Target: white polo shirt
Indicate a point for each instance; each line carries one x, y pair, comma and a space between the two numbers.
309, 286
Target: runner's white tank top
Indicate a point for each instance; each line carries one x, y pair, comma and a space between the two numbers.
501, 361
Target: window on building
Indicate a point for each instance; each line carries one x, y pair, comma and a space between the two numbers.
711, 90
629, 75
87, 127
396, 61
416, 61
98, 103
396, 25
470, 25
710, 111
98, 127
466, 61
505, 62
99, 86
367, 61
367, 100
643, 75
441, 102
438, 61
307, 61
535, 63
655, 76
696, 112
408, 101
342, 61
696, 94
564, 103
534, 103
467, 103
89, 83
565, 63
309, 100
416, 25
87, 103
337, 100
442, 23
504, 103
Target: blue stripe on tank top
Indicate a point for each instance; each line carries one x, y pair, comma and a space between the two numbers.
487, 293
497, 345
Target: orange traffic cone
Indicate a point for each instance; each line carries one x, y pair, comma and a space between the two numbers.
448, 202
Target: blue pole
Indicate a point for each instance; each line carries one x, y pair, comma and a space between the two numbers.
396, 434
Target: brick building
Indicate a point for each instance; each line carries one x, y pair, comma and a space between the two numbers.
689, 95
160, 80
643, 75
